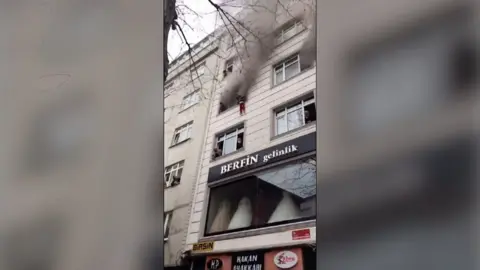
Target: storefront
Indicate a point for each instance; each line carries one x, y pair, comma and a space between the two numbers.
272, 187
292, 258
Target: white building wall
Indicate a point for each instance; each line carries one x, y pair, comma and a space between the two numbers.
258, 120
178, 198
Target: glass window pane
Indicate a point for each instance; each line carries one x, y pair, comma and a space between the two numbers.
294, 107
278, 77
292, 70
295, 185
230, 145
288, 33
295, 119
232, 206
281, 125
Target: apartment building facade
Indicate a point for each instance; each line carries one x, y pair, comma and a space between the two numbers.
254, 200
188, 92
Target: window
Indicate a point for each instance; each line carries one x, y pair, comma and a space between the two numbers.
295, 116
182, 133
279, 195
173, 174
229, 142
288, 31
190, 99
287, 69
198, 70
167, 219
228, 67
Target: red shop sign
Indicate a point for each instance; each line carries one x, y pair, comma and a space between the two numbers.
301, 234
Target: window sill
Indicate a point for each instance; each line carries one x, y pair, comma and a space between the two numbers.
179, 143
228, 109
227, 155
290, 38
294, 76
260, 231
293, 131
184, 109
169, 187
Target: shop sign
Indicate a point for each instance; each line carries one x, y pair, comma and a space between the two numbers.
204, 246
298, 146
285, 259
248, 261
301, 234
214, 264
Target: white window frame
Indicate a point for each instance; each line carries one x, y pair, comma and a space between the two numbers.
233, 133
295, 26
172, 170
291, 108
166, 225
185, 128
187, 100
283, 65
198, 69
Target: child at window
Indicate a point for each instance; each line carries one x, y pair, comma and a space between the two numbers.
241, 103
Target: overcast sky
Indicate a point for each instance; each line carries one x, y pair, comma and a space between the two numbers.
198, 20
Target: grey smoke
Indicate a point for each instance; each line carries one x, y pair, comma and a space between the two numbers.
260, 43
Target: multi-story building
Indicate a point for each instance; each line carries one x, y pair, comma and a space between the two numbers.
188, 91
256, 190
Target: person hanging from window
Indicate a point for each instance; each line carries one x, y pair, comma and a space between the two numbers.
241, 103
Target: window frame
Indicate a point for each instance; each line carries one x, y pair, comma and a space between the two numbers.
282, 65
224, 135
180, 129
175, 167
295, 26
284, 110
167, 218
196, 70
251, 230
184, 106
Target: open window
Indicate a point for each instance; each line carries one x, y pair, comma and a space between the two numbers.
182, 133
167, 220
295, 115
229, 142
173, 174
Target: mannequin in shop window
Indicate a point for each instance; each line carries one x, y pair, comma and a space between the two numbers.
286, 209
222, 218
243, 215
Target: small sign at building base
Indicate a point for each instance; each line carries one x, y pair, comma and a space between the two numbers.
301, 234
204, 246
